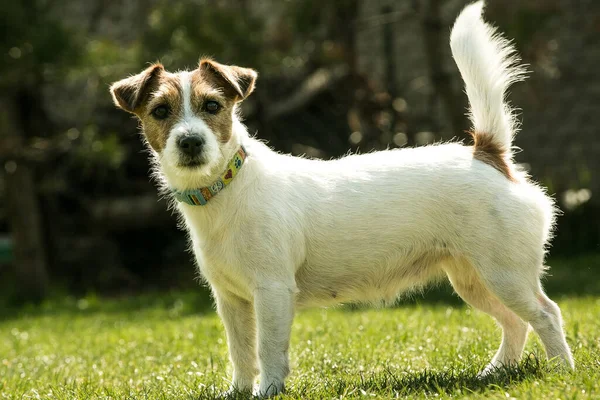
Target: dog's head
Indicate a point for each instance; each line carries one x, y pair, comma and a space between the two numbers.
188, 118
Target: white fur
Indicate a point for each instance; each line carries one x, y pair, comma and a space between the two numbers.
291, 232
186, 86
488, 65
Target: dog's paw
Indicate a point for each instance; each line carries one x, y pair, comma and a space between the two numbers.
270, 389
488, 371
495, 368
236, 393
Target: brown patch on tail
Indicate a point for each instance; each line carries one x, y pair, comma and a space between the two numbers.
486, 150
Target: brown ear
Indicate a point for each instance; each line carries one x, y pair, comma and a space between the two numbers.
237, 80
129, 93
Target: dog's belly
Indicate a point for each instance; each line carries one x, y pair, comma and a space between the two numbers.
381, 278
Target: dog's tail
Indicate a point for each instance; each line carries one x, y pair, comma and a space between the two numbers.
488, 65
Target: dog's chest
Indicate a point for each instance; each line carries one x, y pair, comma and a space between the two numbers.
215, 246
221, 272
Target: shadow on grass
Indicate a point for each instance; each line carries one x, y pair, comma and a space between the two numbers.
444, 382
390, 384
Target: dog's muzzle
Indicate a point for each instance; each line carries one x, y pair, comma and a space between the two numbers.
191, 145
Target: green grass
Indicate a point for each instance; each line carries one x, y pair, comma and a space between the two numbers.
172, 346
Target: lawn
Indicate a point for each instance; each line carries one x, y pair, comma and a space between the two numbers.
171, 346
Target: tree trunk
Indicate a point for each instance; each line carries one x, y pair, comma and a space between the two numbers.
22, 210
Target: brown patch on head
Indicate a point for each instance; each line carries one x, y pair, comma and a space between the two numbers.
141, 94
225, 84
168, 93
130, 93
486, 150
236, 82
204, 89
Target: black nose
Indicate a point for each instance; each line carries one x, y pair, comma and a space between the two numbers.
191, 145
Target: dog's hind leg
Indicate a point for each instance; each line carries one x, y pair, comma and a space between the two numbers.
519, 288
469, 287
548, 324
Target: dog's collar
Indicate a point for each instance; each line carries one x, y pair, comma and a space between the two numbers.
199, 197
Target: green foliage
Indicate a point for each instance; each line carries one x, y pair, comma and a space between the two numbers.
35, 41
527, 22
98, 151
179, 33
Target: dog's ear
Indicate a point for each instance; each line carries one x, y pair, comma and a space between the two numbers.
236, 81
129, 93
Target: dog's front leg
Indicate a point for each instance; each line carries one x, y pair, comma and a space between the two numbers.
238, 318
274, 308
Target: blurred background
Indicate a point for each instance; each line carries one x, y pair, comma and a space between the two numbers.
78, 212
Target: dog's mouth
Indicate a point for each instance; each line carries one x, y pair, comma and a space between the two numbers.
190, 163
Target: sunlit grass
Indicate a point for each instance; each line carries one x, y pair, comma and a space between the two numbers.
172, 346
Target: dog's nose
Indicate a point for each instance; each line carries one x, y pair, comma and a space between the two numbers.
191, 145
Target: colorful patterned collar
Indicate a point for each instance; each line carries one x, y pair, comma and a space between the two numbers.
199, 197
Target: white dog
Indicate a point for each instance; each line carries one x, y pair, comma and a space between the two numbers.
272, 233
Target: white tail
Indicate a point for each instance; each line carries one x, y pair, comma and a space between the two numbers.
488, 65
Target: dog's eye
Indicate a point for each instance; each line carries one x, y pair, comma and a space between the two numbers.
212, 106
161, 112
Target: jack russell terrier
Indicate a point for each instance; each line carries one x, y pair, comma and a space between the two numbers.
272, 233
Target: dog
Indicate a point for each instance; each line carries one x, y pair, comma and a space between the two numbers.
272, 233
